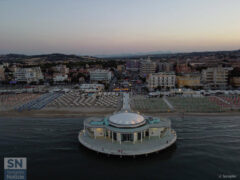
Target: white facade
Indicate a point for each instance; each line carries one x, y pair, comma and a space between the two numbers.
137, 134
215, 76
163, 80
28, 74
126, 127
126, 119
100, 75
60, 73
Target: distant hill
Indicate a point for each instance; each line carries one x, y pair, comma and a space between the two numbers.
156, 54
43, 57
160, 54
12, 57
134, 54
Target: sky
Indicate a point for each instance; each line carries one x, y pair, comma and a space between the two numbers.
106, 27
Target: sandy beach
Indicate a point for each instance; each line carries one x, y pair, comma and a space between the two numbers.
75, 104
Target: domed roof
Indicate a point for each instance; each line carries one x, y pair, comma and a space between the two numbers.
126, 120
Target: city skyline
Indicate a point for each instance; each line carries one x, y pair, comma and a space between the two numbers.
108, 28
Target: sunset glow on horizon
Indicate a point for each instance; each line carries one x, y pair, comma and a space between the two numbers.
115, 27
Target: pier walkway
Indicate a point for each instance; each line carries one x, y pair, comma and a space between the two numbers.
168, 103
126, 102
224, 101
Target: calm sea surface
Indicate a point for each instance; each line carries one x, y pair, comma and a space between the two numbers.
206, 148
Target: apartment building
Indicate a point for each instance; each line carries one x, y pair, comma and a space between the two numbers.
147, 67
215, 76
132, 65
28, 75
60, 73
191, 80
165, 67
183, 67
100, 75
162, 79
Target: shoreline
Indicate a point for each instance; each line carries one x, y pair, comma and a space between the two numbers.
102, 113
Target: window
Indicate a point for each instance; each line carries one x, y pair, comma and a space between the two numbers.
115, 136
139, 136
127, 137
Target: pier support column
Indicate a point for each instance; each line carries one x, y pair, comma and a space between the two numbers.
141, 136
94, 132
120, 138
134, 137
112, 136
84, 130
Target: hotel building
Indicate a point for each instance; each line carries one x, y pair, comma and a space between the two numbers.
162, 79
147, 67
100, 75
189, 80
215, 76
28, 74
132, 65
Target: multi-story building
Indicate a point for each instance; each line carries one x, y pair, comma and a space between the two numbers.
147, 67
28, 74
100, 75
61, 69
60, 73
215, 76
163, 80
192, 80
165, 67
183, 68
132, 65
2, 75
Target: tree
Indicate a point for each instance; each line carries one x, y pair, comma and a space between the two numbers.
235, 72
159, 88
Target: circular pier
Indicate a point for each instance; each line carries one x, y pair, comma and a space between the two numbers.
127, 133
145, 147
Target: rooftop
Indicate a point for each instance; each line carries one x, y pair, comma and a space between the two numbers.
126, 120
